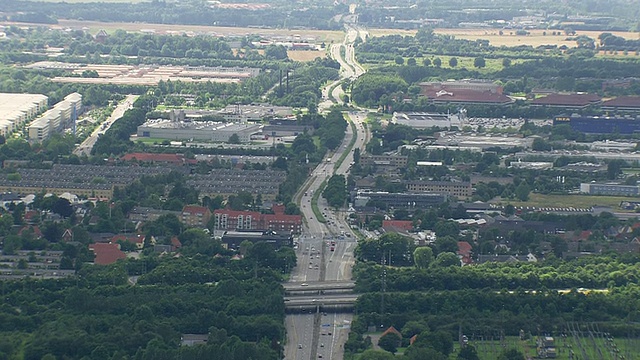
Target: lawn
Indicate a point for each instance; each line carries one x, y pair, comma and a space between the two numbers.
576, 201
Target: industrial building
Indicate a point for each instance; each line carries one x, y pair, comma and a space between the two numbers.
399, 200
609, 189
392, 161
197, 130
460, 141
457, 189
233, 239
254, 112
61, 115
600, 125
419, 120
17, 109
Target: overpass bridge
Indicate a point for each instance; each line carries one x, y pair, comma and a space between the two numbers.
321, 303
319, 287
320, 296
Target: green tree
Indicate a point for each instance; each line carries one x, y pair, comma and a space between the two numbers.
446, 244
437, 62
411, 62
375, 355
423, 257
511, 354
468, 352
614, 169
62, 207
447, 259
522, 191
506, 62
390, 342
479, 62
234, 139
399, 60
336, 191
453, 62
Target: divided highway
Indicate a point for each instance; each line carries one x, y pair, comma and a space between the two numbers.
325, 250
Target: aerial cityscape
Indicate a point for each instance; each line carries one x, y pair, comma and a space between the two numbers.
301, 180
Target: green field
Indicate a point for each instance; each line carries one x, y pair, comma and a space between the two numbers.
563, 201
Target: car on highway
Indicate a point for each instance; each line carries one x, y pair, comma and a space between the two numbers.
304, 284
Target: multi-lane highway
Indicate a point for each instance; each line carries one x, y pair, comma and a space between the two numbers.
325, 249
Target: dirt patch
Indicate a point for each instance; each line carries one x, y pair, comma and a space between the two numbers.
306, 55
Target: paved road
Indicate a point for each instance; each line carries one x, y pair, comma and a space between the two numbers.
313, 336
88, 143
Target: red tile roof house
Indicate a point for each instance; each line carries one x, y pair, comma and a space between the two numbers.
137, 239
464, 251
391, 330
106, 253
567, 101
33, 228
406, 225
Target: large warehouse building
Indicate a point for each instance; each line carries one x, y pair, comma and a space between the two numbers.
196, 130
600, 125
62, 115
17, 109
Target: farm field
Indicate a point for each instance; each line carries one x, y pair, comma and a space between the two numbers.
535, 38
95, 26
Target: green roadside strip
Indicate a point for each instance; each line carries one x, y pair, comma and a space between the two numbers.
349, 147
333, 100
314, 202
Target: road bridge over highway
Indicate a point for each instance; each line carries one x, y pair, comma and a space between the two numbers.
324, 287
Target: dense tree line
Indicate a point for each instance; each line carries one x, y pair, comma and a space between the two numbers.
187, 13
300, 86
592, 272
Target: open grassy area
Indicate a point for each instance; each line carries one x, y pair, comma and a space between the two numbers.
563, 201
594, 348
306, 55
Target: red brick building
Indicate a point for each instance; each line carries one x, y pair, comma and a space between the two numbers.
106, 253
226, 219
194, 215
